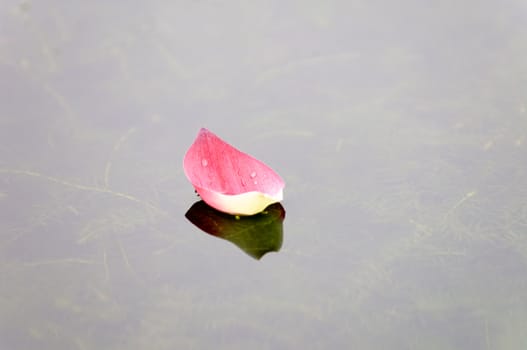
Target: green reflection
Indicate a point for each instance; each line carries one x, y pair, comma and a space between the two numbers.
256, 235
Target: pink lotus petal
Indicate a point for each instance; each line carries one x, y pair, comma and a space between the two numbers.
229, 180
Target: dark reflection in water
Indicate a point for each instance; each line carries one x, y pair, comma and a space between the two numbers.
256, 235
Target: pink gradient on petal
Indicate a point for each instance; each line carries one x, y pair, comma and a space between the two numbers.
230, 180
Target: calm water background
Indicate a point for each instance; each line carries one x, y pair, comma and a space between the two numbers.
399, 127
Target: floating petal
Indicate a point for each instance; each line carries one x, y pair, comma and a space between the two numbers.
229, 180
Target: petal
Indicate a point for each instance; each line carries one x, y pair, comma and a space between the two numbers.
229, 180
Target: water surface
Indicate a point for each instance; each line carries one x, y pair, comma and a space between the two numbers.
400, 130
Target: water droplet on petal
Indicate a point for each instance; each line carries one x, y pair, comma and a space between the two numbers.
253, 174
255, 182
204, 162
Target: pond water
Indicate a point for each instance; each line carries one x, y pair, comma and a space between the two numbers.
399, 128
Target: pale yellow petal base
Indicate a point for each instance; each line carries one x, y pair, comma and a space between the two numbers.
249, 203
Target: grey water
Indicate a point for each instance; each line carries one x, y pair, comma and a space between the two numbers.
400, 129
